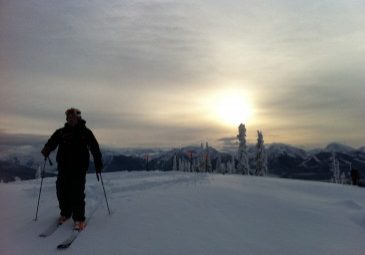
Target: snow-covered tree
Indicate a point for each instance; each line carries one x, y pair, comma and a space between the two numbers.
349, 164
224, 168
231, 165
195, 165
190, 162
181, 167
185, 165
261, 157
335, 169
218, 165
242, 167
146, 158
343, 178
174, 163
208, 162
201, 163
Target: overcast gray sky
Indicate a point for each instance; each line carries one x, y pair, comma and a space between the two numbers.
172, 73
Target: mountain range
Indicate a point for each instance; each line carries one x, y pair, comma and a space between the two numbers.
284, 161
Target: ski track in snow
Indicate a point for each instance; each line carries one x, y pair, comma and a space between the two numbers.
146, 182
188, 213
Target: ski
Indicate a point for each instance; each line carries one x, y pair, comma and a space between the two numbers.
74, 234
50, 230
66, 243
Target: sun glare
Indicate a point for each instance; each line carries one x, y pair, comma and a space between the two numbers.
232, 108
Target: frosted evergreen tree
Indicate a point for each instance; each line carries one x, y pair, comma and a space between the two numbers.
335, 169
201, 159
181, 165
191, 162
195, 165
232, 165
174, 163
229, 167
224, 168
186, 166
261, 158
218, 165
208, 162
242, 167
343, 178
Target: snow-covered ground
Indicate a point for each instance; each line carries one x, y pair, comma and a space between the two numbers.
188, 213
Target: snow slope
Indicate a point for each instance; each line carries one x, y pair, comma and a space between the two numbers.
187, 213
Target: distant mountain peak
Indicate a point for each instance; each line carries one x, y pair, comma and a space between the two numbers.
338, 147
276, 149
362, 149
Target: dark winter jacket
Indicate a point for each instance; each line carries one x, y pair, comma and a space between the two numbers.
74, 144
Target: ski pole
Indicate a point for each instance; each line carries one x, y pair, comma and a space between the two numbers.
102, 183
40, 189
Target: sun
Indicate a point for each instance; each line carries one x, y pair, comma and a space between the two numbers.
232, 108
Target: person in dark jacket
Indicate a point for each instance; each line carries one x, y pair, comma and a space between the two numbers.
74, 141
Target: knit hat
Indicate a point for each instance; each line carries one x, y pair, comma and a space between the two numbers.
73, 111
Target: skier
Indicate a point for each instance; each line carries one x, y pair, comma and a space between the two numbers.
74, 141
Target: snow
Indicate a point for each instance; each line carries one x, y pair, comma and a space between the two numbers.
311, 158
189, 213
362, 149
277, 149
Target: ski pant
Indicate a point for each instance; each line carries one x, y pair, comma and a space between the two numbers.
70, 187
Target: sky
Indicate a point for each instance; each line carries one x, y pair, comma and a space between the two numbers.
172, 73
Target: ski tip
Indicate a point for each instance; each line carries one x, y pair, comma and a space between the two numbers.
63, 246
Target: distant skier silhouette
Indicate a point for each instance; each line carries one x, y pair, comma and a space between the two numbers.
74, 141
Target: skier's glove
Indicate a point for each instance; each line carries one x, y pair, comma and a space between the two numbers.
46, 151
98, 169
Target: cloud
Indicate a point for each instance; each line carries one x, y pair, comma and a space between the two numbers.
228, 144
146, 65
21, 139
